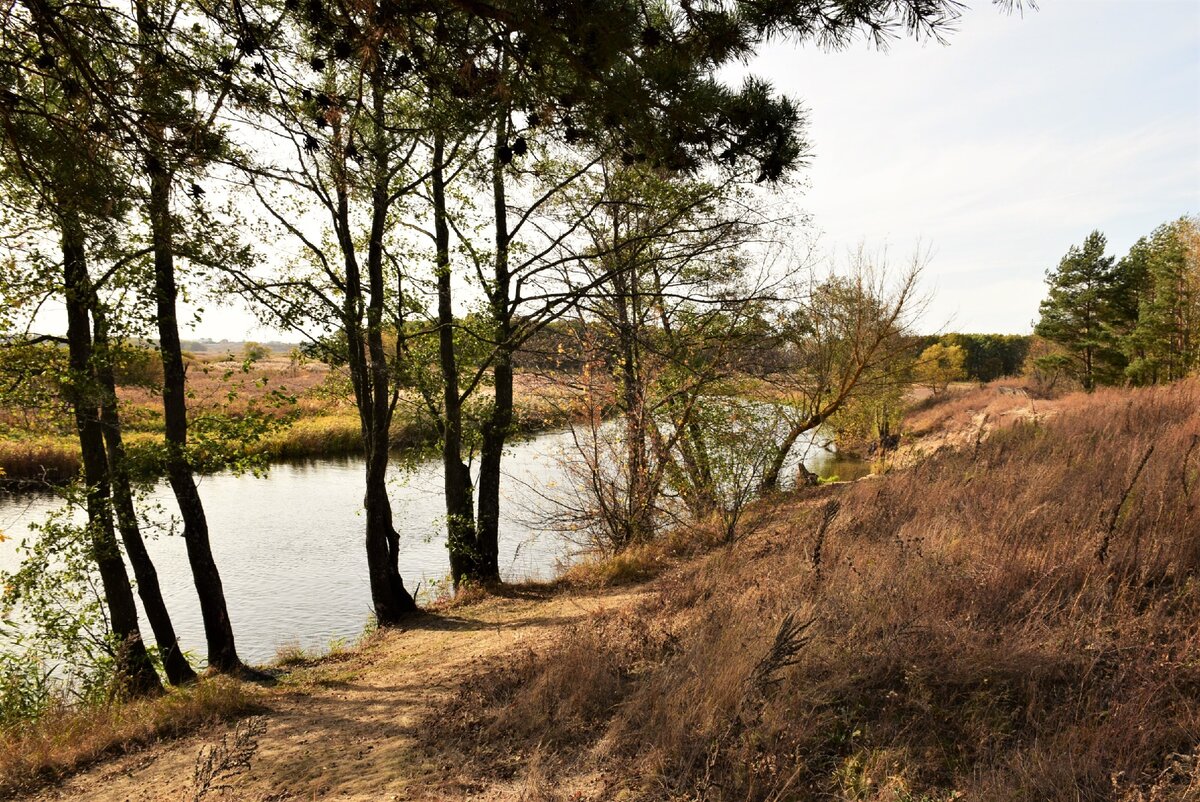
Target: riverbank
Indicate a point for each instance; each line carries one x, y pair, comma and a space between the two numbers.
1010, 616
307, 409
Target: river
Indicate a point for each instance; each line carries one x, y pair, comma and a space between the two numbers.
289, 544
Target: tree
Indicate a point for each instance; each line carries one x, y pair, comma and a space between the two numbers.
939, 365
175, 135
51, 163
346, 149
846, 338
672, 304
1163, 344
152, 101
1080, 311
989, 356
633, 82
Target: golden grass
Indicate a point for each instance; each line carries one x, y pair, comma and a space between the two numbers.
326, 435
1010, 620
47, 460
326, 424
65, 740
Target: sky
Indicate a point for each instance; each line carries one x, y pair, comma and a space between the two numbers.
993, 154
1000, 150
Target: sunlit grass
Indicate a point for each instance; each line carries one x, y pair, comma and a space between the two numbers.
68, 738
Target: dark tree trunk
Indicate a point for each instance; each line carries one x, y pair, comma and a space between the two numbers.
640, 502
771, 475
496, 427
491, 452
460, 522
133, 661
770, 480
175, 663
222, 654
373, 389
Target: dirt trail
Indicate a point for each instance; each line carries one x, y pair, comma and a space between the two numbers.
346, 729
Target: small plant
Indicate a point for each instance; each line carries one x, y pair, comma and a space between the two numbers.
217, 764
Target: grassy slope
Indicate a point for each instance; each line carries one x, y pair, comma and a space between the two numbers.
951, 630
946, 631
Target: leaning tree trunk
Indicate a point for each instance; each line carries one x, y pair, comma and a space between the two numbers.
222, 653
770, 480
136, 671
175, 663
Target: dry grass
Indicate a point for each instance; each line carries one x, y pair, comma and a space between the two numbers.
66, 740
326, 423
1006, 621
643, 561
38, 460
956, 408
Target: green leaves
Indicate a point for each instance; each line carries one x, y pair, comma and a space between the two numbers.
1136, 319
1079, 311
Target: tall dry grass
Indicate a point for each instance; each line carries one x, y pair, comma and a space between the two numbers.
38, 460
1015, 620
67, 739
45, 453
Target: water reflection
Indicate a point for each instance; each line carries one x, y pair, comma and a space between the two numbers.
289, 544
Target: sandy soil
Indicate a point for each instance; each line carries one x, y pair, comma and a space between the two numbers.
347, 727
967, 414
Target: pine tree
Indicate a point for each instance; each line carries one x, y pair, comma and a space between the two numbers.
1163, 343
1081, 312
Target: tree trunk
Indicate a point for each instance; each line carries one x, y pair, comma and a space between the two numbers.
136, 671
496, 427
175, 663
494, 435
222, 653
460, 523
640, 492
392, 601
770, 480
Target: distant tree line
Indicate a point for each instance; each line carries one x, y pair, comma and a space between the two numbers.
1133, 320
986, 357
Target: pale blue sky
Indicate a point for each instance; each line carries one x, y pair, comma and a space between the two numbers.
1000, 150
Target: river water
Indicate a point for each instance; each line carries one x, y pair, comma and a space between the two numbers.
289, 544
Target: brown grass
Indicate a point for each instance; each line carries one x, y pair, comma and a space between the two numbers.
66, 740
1013, 620
326, 423
38, 460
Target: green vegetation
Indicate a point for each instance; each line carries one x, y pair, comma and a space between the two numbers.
938, 365
1134, 320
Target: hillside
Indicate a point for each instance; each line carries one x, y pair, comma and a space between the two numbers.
1010, 617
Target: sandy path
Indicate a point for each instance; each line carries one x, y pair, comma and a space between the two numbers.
346, 729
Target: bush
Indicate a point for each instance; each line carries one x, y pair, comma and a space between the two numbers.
939, 365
